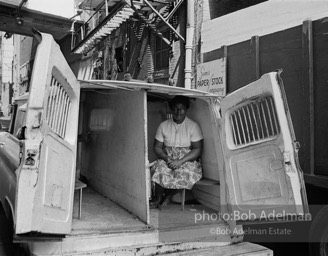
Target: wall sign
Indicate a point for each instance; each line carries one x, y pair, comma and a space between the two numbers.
211, 77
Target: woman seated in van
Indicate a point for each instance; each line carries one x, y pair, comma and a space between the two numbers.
178, 145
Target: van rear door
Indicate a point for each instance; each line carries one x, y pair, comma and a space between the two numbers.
263, 176
45, 181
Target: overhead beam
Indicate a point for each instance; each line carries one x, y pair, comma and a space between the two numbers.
55, 25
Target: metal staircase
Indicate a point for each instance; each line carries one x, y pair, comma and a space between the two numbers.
97, 28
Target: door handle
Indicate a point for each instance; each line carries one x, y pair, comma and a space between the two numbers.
2, 144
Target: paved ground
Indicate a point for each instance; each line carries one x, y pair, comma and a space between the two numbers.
286, 248
7, 248
317, 197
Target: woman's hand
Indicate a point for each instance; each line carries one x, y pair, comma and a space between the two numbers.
175, 164
168, 160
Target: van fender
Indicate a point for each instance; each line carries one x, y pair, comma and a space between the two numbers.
9, 211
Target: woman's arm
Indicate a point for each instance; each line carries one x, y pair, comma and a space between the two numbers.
194, 154
158, 149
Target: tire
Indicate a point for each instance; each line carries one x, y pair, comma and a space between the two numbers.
9, 247
319, 234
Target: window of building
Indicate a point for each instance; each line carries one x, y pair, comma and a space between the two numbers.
119, 59
162, 50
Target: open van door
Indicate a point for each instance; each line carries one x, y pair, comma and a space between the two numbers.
264, 180
45, 181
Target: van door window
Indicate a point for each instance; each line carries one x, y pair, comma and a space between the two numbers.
58, 108
254, 122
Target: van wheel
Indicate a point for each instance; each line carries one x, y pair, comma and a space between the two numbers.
319, 234
10, 248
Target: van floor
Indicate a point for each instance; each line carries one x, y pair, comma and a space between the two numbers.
101, 215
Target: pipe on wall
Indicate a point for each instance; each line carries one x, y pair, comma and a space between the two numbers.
189, 40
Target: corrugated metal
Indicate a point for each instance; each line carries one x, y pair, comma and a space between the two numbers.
261, 19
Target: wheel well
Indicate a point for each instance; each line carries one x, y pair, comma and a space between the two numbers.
9, 210
318, 233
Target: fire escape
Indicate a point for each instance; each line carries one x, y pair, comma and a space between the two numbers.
108, 15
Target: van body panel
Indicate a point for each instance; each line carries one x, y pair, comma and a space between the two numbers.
45, 182
165, 90
261, 172
201, 111
10, 161
115, 157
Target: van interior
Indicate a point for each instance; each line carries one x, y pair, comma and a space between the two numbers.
116, 135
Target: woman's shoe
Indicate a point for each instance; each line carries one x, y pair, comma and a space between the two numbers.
153, 204
165, 202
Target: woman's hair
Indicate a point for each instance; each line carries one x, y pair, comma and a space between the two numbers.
179, 100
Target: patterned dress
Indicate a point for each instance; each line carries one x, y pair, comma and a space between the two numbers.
177, 141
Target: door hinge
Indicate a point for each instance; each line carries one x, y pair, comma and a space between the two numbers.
288, 164
297, 146
37, 121
21, 144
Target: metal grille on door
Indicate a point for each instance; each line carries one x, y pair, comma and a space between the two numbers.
58, 108
254, 122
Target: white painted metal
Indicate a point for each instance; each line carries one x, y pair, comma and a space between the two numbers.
121, 16
126, 11
106, 7
45, 182
261, 174
136, 85
189, 40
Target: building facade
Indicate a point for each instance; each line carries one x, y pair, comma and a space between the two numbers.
149, 44
7, 76
146, 41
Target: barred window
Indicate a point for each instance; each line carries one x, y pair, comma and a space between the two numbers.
58, 108
254, 122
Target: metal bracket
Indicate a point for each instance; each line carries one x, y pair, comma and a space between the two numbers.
164, 20
19, 19
151, 26
174, 10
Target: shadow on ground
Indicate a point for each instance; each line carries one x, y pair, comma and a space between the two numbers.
7, 247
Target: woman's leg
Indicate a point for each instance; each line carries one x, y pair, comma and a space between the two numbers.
169, 193
159, 191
